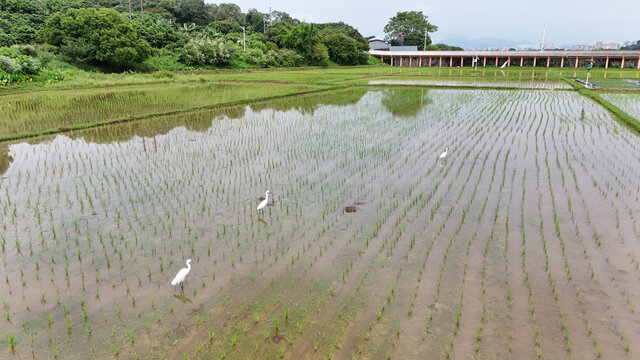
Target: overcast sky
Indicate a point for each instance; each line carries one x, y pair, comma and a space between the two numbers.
568, 21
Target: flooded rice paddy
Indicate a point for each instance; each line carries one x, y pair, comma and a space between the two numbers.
523, 244
629, 103
526, 84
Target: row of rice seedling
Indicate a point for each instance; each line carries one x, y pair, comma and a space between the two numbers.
40, 111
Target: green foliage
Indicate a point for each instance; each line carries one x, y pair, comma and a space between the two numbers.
320, 53
227, 11
635, 46
17, 65
96, 36
374, 61
253, 57
284, 58
301, 38
189, 11
21, 20
203, 50
439, 47
172, 35
413, 24
226, 26
158, 32
167, 61
255, 20
270, 46
327, 29
163, 74
345, 50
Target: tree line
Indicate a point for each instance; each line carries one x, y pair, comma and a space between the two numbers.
48, 37
117, 35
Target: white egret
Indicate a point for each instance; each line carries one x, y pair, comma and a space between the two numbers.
179, 279
444, 154
264, 202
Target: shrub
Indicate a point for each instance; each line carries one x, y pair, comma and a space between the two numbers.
9, 65
162, 74
284, 58
14, 62
100, 37
320, 54
345, 50
203, 50
253, 57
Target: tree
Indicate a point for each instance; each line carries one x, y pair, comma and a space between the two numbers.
635, 46
345, 50
327, 29
186, 11
158, 32
301, 38
225, 26
255, 20
413, 24
277, 16
100, 37
438, 47
320, 54
227, 11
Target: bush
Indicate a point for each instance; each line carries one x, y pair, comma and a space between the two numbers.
345, 50
253, 57
226, 26
320, 54
167, 62
9, 65
158, 33
12, 61
162, 74
100, 37
270, 46
284, 58
203, 50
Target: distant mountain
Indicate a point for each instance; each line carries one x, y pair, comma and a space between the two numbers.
483, 42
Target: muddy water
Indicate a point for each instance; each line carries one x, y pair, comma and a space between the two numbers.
523, 243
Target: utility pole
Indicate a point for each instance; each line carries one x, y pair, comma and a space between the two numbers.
425, 40
141, 10
244, 39
129, 10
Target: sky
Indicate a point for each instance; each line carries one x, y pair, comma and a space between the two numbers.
567, 21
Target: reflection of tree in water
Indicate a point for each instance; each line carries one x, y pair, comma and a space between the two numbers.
309, 103
405, 101
5, 159
201, 120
